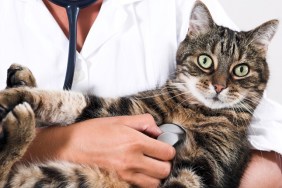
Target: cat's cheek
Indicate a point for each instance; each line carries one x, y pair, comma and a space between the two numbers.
231, 98
192, 87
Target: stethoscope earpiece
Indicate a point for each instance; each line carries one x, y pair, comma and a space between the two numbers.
72, 8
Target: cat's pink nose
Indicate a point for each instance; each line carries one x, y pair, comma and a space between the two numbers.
218, 88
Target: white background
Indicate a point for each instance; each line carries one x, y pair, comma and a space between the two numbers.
247, 14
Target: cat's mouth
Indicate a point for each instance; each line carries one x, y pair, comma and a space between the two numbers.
216, 101
209, 97
215, 98
219, 101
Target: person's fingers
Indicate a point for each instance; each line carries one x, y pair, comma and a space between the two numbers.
143, 181
158, 150
144, 123
154, 168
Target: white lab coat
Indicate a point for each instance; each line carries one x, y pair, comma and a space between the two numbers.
131, 47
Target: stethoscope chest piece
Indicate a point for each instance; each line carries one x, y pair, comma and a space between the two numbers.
172, 134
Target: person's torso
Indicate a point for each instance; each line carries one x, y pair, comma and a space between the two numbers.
131, 46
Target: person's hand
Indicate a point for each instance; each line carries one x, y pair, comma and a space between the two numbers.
112, 143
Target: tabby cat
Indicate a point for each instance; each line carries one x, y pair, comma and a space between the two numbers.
220, 78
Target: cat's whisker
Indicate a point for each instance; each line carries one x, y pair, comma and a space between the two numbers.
149, 96
187, 99
244, 115
176, 84
184, 93
179, 82
254, 99
161, 93
248, 108
236, 122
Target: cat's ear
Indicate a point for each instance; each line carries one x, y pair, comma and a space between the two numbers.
200, 20
262, 35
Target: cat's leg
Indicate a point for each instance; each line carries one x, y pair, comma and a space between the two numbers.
67, 107
18, 130
63, 174
18, 75
59, 107
54, 107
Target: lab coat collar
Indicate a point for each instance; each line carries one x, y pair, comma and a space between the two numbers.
43, 26
114, 16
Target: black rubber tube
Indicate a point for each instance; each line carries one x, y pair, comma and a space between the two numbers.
72, 12
72, 8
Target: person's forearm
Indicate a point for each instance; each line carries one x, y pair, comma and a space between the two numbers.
264, 170
48, 144
108, 143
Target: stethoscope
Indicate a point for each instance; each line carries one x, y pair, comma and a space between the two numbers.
172, 133
72, 9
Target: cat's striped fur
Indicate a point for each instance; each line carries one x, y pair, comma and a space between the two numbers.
213, 105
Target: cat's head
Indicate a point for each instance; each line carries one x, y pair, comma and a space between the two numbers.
223, 68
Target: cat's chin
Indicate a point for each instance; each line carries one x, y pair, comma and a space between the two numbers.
215, 103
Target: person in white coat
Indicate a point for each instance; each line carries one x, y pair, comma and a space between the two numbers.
124, 46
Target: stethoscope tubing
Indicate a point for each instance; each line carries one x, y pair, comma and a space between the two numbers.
72, 12
72, 8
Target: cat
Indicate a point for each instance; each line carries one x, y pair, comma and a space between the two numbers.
220, 78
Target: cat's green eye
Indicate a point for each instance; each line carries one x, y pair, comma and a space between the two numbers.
205, 61
241, 70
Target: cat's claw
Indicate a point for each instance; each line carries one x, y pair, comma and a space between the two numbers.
18, 75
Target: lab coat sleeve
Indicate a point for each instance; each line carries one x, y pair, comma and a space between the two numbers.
265, 132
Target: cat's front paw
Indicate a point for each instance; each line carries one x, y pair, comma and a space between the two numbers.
9, 98
18, 130
18, 75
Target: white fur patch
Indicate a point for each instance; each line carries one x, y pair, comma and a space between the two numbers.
210, 98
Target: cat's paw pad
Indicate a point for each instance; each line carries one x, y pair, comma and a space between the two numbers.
18, 127
18, 76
